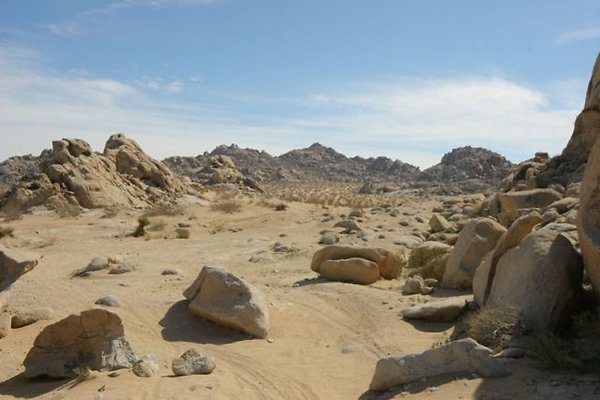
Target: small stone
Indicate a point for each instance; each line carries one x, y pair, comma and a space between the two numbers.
413, 285
120, 269
108, 301
171, 271
97, 264
193, 362
25, 318
329, 238
114, 374
280, 247
146, 367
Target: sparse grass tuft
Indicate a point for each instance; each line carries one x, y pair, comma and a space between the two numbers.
491, 326
554, 353
226, 206
6, 231
281, 207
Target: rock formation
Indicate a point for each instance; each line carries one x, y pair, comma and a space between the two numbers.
221, 297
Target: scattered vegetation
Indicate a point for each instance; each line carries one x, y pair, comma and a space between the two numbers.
492, 326
68, 210
156, 226
227, 206
281, 207
165, 210
143, 222
6, 231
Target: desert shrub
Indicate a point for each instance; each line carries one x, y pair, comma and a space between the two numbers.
143, 222
420, 257
281, 207
492, 326
554, 353
159, 225
435, 266
227, 206
6, 231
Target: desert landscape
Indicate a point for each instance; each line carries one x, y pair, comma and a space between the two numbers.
239, 275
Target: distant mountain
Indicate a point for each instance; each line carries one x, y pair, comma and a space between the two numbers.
321, 163
464, 163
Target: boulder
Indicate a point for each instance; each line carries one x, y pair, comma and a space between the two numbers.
438, 223
535, 198
352, 270
420, 255
4, 324
94, 339
221, 297
540, 279
588, 218
461, 356
476, 239
444, 310
193, 362
146, 366
484, 275
13, 264
389, 265
413, 285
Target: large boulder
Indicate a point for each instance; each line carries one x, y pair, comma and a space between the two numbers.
389, 265
476, 239
461, 356
588, 218
93, 339
221, 297
540, 279
516, 204
13, 264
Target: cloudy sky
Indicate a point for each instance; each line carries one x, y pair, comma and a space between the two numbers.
403, 78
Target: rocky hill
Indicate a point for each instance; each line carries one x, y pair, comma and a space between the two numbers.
321, 163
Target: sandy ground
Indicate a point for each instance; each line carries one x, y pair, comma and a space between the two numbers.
325, 338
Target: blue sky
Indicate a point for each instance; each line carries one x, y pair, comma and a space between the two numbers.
406, 79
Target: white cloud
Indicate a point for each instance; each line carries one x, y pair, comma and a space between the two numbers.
414, 120
577, 35
66, 29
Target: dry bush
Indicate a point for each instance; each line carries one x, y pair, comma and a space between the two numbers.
6, 231
68, 210
169, 210
435, 267
226, 206
159, 225
143, 222
553, 352
491, 326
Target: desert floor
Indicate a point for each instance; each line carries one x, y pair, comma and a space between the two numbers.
325, 336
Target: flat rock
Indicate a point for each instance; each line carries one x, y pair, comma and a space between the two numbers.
461, 356
108, 301
445, 310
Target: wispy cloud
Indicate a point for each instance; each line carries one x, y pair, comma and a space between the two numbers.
65, 29
159, 84
413, 120
577, 35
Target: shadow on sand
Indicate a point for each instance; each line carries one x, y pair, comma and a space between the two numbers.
179, 325
312, 281
413, 387
20, 387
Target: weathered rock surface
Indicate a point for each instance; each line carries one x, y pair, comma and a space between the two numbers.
72, 174
413, 285
444, 310
193, 362
540, 279
476, 239
438, 223
221, 297
389, 265
13, 264
465, 355
94, 339
588, 219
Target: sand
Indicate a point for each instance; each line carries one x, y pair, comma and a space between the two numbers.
325, 336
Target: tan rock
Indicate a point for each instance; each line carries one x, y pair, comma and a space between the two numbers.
540, 279
24, 318
535, 198
444, 310
461, 356
438, 223
4, 324
476, 239
353, 270
413, 285
389, 264
13, 264
221, 297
